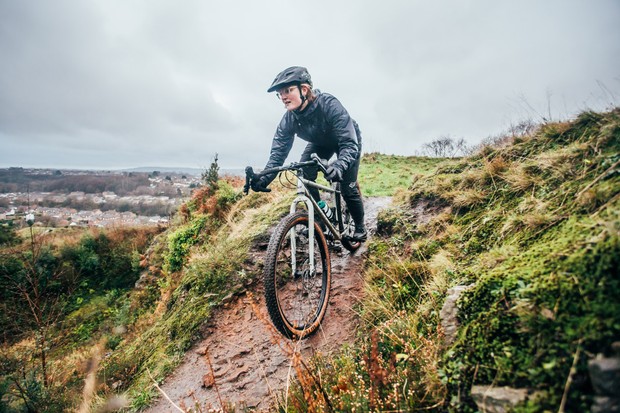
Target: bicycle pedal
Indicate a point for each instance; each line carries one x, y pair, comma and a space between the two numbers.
351, 238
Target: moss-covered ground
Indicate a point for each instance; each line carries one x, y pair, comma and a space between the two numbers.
533, 230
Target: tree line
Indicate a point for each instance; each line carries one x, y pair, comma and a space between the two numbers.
131, 183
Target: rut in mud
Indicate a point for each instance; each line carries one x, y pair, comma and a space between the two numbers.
239, 360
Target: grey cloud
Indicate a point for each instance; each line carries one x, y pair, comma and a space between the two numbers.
119, 84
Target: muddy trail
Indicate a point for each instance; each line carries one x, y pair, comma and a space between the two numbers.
243, 361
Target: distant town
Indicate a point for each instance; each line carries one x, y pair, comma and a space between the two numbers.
70, 198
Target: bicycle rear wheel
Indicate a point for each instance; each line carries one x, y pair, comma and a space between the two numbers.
297, 295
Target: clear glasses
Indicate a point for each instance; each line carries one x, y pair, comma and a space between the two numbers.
285, 91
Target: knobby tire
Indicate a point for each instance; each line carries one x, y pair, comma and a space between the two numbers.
296, 302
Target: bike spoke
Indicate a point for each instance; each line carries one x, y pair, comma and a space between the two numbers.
299, 295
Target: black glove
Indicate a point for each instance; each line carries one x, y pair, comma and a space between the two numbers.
260, 184
333, 174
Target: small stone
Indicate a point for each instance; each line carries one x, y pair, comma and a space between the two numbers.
605, 405
605, 376
208, 381
114, 404
448, 314
497, 399
227, 299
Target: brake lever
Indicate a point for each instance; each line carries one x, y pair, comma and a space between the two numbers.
249, 175
322, 163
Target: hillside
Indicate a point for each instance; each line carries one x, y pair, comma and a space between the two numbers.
531, 232
528, 229
241, 359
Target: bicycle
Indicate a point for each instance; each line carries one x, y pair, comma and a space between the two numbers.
297, 273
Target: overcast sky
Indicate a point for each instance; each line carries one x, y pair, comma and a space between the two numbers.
107, 84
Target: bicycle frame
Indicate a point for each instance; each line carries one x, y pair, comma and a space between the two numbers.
303, 196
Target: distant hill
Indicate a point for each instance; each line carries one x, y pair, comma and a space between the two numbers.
184, 170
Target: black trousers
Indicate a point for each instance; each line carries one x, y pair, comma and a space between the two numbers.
349, 186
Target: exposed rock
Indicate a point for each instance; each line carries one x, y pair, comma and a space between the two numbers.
449, 322
605, 405
605, 377
145, 279
497, 399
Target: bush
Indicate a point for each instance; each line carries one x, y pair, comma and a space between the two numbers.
8, 236
180, 243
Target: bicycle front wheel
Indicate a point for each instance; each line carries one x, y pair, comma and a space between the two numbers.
297, 292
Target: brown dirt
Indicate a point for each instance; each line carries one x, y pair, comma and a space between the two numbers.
241, 359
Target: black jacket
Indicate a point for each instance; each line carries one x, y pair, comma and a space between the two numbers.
326, 123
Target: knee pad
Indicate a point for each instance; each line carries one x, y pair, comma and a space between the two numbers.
350, 190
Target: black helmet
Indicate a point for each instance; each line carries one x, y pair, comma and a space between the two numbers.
292, 75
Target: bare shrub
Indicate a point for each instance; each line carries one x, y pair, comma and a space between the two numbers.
445, 147
514, 133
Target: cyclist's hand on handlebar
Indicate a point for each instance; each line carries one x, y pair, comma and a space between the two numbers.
260, 184
333, 174
322, 163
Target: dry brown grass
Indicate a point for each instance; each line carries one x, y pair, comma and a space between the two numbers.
537, 220
467, 198
556, 161
472, 178
531, 220
438, 265
588, 199
534, 213
421, 352
445, 183
512, 225
90, 383
496, 166
520, 178
439, 225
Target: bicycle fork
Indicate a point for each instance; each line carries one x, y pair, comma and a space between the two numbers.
301, 197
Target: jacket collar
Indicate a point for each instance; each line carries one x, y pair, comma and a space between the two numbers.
309, 109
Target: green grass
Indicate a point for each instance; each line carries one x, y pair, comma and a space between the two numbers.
385, 175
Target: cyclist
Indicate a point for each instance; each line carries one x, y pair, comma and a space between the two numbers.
322, 121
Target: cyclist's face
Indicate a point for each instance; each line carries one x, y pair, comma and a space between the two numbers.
291, 97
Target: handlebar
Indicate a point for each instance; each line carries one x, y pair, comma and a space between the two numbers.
251, 176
